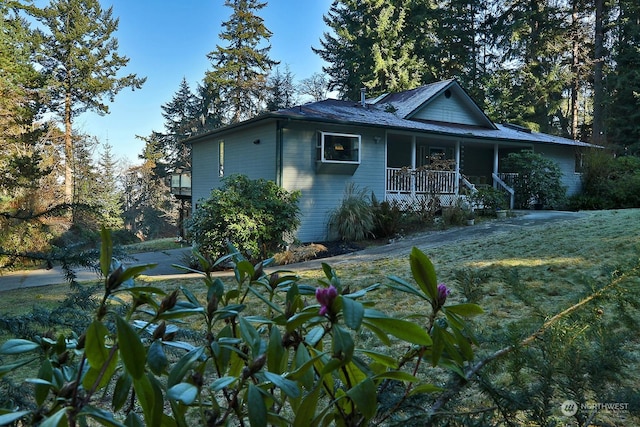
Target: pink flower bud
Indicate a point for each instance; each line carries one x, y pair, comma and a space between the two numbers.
325, 297
443, 293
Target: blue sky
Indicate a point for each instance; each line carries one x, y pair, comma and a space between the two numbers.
167, 40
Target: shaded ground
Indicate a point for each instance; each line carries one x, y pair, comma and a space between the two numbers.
338, 252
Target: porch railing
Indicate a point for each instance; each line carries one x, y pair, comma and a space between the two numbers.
504, 182
419, 181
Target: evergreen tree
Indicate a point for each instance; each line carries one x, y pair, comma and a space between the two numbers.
369, 48
149, 211
281, 90
108, 190
533, 39
240, 69
81, 60
180, 121
623, 124
459, 29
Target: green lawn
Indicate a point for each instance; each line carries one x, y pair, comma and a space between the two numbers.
521, 278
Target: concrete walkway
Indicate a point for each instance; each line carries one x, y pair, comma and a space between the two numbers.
396, 248
54, 276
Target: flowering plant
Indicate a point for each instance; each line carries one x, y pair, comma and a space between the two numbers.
291, 363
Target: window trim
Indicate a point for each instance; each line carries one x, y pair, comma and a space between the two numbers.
220, 158
320, 144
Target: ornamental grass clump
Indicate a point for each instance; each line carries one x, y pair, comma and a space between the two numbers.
354, 219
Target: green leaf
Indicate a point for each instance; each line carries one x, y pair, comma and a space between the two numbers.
183, 392
222, 382
132, 351
251, 336
6, 419
465, 310
314, 336
95, 350
156, 358
353, 312
424, 273
275, 352
257, 407
438, 344
150, 398
133, 420
363, 394
384, 359
5, 369
290, 388
17, 346
425, 388
106, 251
121, 391
403, 286
303, 364
402, 329
55, 419
190, 296
304, 316
396, 375
183, 365
342, 344
103, 417
135, 271
307, 409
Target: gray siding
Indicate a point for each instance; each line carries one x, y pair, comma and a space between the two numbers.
323, 192
565, 157
449, 110
241, 156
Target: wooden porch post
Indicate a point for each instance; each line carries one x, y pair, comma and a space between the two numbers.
414, 150
495, 163
457, 183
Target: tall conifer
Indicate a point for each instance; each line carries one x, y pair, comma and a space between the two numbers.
241, 67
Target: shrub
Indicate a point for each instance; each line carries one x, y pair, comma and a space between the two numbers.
354, 219
253, 215
489, 200
538, 180
285, 361
387, 218
608, 182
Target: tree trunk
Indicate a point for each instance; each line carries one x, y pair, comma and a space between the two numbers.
598, 136
68, 151
575, 70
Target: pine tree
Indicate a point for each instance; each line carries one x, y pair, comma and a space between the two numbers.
81, 60
240, 69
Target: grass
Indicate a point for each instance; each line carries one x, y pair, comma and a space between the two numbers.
521, 277
154, 245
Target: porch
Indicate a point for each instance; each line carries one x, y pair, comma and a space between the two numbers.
408, 187
420, 169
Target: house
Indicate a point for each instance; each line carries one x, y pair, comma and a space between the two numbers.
386, 145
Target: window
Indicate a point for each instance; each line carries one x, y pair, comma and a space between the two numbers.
338, 148
221, 158
579, 163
